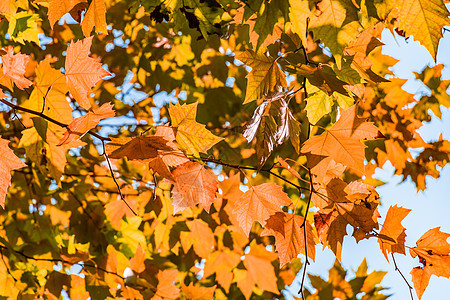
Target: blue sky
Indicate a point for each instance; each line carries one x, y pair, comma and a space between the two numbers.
430, 208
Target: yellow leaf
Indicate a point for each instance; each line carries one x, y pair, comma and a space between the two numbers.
95, 16
191, 136
424, 20
265, 76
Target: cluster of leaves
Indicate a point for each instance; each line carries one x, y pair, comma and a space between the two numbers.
161, 202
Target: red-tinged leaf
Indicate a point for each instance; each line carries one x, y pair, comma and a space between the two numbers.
393, 229
434, 254
167, 159
81, 125
193, 184
258, 263
331, 228
137, 261
259, 203
289, 236
8, 162
166, 288
82, 71
14, 67
342, 142
192, 292
141, 148
221, 263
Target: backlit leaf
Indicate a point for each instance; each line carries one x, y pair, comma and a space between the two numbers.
82, 72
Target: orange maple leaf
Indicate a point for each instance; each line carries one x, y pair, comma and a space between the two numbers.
81, 125
193, 184
58, 8
200, 237
289, 236
221, 263
166, 289
342, 142
258, 263
192, 292
95, 16
141, 148
14, 67
331, 228
259, 203
137, 261
392, 235
8, 162
82, 71
434, 253
164, 160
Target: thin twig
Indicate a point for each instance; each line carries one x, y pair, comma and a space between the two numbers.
155, 182
33, 112
17, 117
62, 261
114, 178
239, 167
406, 281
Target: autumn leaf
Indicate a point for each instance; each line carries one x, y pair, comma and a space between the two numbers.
392, 235
193, 184
265, 76
95, 16
82, 72
424, 19
331, 228
200, 237
137, 261
259, 267
289, 236
165, 160
191, 136
192, 292
318, 105
14, 67
81, 125
291, 170
434, 254
221, 263
166, 289
8, 163
58, 8
272, 124
141, 148
342, 142
259, 203
49, 93
332, 22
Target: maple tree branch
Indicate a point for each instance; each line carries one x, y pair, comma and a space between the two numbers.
55, 260
33, 112
239, 167
406, 281
114, 178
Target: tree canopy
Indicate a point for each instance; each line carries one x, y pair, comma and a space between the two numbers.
200, 149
